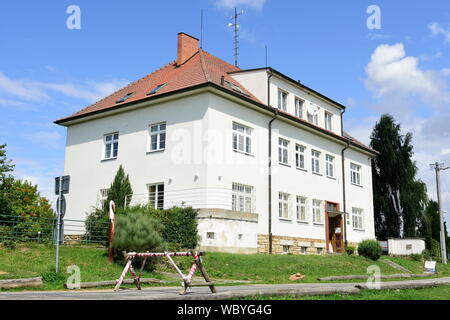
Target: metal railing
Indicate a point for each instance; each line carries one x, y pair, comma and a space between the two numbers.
198, 198
43, 230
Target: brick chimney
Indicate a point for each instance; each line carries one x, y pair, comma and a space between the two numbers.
187, 46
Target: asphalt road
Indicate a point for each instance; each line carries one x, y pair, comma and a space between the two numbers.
223, 292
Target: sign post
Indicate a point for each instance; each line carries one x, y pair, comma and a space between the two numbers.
61, 186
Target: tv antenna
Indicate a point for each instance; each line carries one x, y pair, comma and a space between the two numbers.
235, 25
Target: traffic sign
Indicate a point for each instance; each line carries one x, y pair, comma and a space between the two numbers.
65, 184
61, 211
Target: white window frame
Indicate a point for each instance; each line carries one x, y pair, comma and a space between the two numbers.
300, 152
284, 207
329, 163
154, 197
302, 213
358, 219
103, 196
355, 174
317, 211
299, 107
113, 144
210, 235
315, 161
328, 121
242, 138
283, 151
282, 99
242, 197
160, 135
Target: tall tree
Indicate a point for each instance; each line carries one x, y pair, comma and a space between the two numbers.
5, 164
120, 188
399, 198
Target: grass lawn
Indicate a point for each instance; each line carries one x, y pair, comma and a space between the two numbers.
435, 293
33, 260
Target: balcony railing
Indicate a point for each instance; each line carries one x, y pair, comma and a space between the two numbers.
198, 198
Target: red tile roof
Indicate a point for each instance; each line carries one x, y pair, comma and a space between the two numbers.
201, 68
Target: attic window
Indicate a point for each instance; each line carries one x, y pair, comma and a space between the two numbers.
156, 89
125, 97
234, 87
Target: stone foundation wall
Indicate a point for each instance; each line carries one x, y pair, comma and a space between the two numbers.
296, 245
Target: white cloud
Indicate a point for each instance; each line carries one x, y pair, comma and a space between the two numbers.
436, 29
231, 4
29, 90
391, 72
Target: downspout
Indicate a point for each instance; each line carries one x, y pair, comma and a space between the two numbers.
270, 163
344, 204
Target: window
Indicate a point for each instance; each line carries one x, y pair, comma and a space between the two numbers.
313, 117
355, 174
235, 87
319, 250
315, 161
299, 107
317, 211
300, 162
210, 235
357, 218
330, 166
282, 100
125, 97
242, 197
286, 249
301, 209
103, 196
158, 136
328, 121
242, 138
303, 250
111, 145
283, 205
156, 89
283, 151
156, 196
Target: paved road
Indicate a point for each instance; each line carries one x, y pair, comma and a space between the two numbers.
225, 292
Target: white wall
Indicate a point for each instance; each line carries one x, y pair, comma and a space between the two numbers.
404, 247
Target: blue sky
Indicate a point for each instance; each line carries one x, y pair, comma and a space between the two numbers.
48, 71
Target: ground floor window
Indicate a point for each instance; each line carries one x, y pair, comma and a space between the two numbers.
283, 205
303, 250
286, 249
317, 211
156, 196
357, 218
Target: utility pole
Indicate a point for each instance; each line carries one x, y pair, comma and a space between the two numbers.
236, 34
438, 167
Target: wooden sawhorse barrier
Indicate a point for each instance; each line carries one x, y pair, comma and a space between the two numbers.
187, 280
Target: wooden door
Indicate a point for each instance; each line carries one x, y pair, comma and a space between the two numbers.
336, 233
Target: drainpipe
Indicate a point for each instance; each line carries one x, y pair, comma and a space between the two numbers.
343, 179
269, 75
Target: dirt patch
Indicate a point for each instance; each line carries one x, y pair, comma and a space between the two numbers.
24, 249
3, 272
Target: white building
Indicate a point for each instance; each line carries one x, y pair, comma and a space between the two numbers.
199, 132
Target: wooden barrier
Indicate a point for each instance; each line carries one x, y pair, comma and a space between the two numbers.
187, 280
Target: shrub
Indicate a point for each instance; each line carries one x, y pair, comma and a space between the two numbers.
370, 249
53, 277
435, 250
139, 232
416, 256
9, 244
97, 226
426, 254
179, 227
350, 250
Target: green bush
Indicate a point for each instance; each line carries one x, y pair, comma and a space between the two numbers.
426, 254
9, 244
370, 249
350, 250
435, 249
53, 277
97, 226
180, 227
416, 256
137, 231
